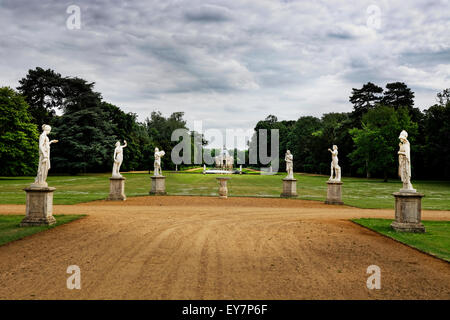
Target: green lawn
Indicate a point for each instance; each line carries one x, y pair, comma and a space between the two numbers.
11, 231
363, 193
435, 240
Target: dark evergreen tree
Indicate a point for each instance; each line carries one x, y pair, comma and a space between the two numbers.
363, 100
377, 142
43, 91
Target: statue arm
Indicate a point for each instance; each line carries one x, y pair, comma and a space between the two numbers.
125, 144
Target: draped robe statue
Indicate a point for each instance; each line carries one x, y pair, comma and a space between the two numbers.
44, 157
289, 158
404, 162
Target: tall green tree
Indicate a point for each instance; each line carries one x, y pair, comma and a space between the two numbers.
43, 91
333, 130
436, 153
302, 142
127, 128
443, 97
271, 123
397, 94
363, 100
160, 130
377, 142
18, 135
85, 131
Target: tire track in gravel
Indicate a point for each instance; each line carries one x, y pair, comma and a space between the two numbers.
205, 248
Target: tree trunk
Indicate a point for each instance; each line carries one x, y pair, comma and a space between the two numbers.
367, 169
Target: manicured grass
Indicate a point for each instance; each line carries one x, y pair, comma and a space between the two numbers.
358, 192
435, 240
10, 229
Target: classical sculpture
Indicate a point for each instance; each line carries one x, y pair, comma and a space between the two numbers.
44, 157
118, 159
289, 158
335, 168
157, 163
404, 162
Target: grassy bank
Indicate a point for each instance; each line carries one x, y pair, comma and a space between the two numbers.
435, 241
10, 229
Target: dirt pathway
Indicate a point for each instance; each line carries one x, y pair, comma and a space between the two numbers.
207, 248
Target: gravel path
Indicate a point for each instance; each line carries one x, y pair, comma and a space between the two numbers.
206, 248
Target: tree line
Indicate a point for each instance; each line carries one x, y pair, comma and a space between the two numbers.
367, 137
87, 128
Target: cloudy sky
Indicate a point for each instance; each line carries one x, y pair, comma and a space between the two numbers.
231, 63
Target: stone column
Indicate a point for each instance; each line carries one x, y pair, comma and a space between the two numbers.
289, 188
39, 210
408, 212
117, 188
223, 190
334, 192
158, 185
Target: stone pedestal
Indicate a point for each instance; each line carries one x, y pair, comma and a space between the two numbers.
223, 190
334, 192
408, 212
158, 185
117, 188
289, 188
39, 211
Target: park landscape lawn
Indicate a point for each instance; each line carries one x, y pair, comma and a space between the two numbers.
10, 229
358, 192
435, 240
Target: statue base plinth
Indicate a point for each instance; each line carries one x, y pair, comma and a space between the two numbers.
158, 185
223, 189
334, 192
39, 210
408, 212
289, 188
117, 189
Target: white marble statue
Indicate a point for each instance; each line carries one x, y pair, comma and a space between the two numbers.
335, 168
118, 159
289, 158
44, 157
157, 163
404, 162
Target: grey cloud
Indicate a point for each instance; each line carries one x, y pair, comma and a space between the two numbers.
427, 58
214, 59
208, 13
